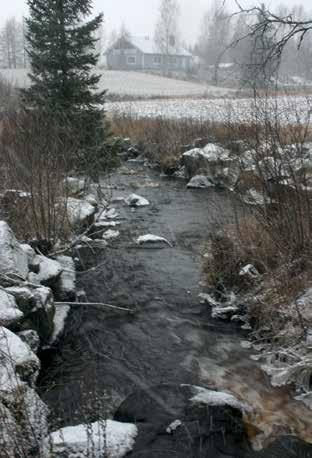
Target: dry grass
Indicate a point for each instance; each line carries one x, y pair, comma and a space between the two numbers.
34, 152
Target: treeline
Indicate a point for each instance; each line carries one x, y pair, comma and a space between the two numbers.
234, 38
13, 44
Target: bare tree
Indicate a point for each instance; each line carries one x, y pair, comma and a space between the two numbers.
12, 44
166, 31
283, 27
214, 37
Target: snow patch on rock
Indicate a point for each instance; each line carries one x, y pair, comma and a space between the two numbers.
216, 398
134, 200
9, 312
110, 438
151, 238
13, 259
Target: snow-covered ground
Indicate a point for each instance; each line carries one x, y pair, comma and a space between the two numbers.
216, 110
135, 84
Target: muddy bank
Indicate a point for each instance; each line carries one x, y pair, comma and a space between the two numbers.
171, 338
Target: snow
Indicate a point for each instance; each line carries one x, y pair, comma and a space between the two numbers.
107, 224
220, 312
136, 84
216, 398
60, 316
13, 259
173, 426
241, 110
134, 200
109, 437
49, 269
199, 181
110, 234
150, 238
9, 312
74, 185
67, 280
15, 357
79, 211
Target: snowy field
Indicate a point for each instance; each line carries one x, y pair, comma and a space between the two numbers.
136, 84
290, 109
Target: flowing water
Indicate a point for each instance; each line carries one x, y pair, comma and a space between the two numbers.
171, 337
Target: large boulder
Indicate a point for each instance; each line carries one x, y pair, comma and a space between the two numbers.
80, 212
49, 271
188, 420
66, 285
104, 438
206, 161
199, 182
16, 359
37, 305
9, 312
13, 259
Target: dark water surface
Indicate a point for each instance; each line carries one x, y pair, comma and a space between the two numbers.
171, 338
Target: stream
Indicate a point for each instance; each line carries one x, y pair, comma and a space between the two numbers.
105, 355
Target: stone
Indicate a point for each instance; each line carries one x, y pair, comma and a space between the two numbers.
13, 259
31, 338
74, 186
37, 305
80, 212
199, 181
9, 311
134, 200
17, 355
66, 285
110, 438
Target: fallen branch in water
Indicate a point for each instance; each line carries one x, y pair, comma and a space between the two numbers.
95, 304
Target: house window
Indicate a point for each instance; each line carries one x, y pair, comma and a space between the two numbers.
173, 60
131, 60
157, 60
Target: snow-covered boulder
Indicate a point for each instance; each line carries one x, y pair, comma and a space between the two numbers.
16, 355
9, 312
24, 424
13, 259
66, 285
37, 305
31, 257
49, 271
152, 239
110, 234
31, 338
208, 161
134, 200
74, 186
199, 181
80, 212
108, 438
208, 397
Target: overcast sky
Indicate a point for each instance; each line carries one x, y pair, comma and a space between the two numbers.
139, 15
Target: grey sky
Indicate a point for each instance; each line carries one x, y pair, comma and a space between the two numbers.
140, 15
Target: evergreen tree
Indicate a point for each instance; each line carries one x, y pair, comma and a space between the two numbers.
62, 50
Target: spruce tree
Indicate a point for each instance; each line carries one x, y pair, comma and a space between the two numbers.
62, 50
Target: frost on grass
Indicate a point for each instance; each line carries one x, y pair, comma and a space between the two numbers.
108, 438
151, 238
